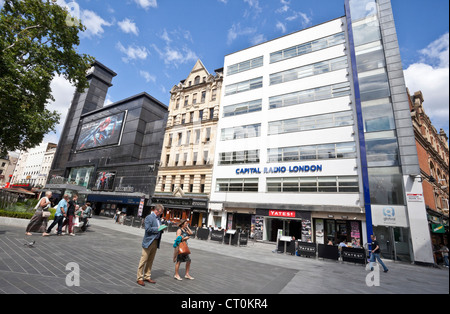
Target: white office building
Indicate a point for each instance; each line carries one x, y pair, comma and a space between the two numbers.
315, 138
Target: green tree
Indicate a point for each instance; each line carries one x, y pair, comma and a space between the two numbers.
38, 40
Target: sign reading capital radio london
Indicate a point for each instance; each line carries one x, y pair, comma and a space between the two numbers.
281, 213
290, 169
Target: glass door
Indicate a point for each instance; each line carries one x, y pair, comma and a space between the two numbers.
384, 236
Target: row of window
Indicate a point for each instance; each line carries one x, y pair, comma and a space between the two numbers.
312, 152
309, 70
189, 183
188, 139
288, 53
188, 159
189, 117
291, 99
195, 98
287, 154
289, 75
329, 120
341, 184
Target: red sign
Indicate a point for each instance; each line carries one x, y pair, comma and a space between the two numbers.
281, 213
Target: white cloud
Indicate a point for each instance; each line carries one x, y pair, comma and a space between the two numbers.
176, 56
128, 26
257, 39
280, 26
94, 23
236, 31
62, 92
255, 8
431, 76
147, 76
132, 52
146, 4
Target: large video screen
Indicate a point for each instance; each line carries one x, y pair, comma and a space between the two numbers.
104, 181
102, 132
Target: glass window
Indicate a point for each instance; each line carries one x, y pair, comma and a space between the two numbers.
250, 185
378, 116
307, 47
308, 184
371, 60
346, 150
273, 185
245, 65
366, 32
291, 185
242, 108
308, 70
308, 152
327, 184
326, 151
348, 184
386, 186
382, 152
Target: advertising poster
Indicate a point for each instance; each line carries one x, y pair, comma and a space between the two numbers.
102, 132
104, 181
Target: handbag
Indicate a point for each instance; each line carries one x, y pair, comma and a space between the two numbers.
183, 248
46, 214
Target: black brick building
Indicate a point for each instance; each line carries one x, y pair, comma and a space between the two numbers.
109, 155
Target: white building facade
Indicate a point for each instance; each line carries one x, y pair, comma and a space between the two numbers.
313, 140
33, 166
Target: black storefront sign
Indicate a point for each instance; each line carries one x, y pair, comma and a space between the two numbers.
202, 233
354, 255
128, 221
217, 236
307, 249
137, 222
328, 251
243, 238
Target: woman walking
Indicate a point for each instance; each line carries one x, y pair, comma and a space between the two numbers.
184, 232
38, 222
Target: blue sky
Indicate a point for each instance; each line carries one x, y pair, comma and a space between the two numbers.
153, 44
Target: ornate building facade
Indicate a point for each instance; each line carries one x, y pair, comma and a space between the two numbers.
185, 172
433, 152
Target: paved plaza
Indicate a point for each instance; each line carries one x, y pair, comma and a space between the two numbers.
108, 254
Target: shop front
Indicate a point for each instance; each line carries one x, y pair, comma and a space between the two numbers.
270, 223
391, 228
108, 205
195, 211
335, 228
241, 219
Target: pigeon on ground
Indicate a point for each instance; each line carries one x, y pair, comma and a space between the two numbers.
30, 244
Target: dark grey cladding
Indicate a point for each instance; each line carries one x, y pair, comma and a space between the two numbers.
135, 159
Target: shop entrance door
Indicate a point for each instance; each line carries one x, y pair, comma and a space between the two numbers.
394, 242
294, 229
275, 224
385, 239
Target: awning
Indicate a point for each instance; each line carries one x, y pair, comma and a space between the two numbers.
19, 191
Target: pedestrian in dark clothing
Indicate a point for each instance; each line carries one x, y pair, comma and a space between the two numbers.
71, 214
376, 254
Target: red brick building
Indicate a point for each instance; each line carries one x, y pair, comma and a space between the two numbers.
433, 152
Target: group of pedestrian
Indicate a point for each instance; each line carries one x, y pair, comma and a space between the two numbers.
67, 211
151, 243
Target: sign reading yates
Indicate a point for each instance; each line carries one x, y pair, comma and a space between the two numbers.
282, 169
281, 213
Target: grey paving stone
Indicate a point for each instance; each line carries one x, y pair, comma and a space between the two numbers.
108, 256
